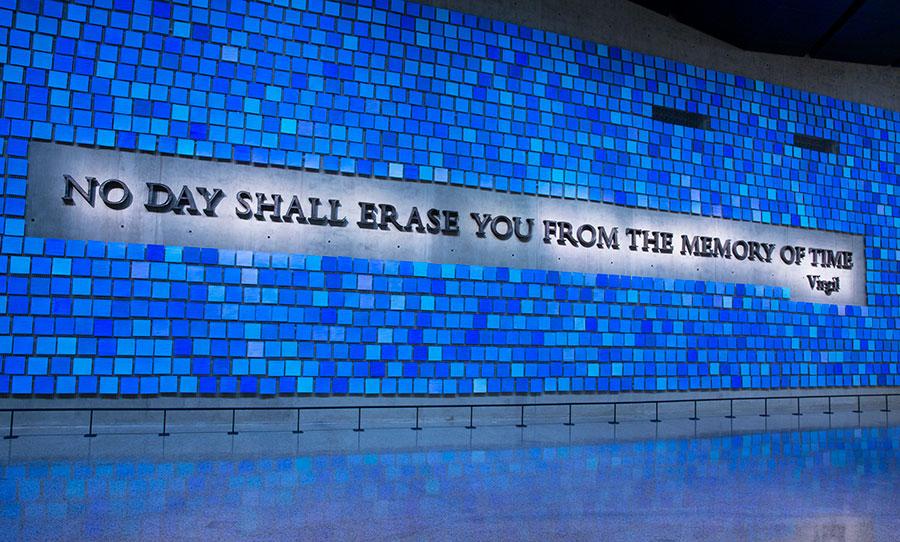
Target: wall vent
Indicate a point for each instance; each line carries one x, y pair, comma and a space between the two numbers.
813, 143
677, 116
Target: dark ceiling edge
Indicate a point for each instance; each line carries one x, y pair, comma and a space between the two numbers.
835, 27
812, 52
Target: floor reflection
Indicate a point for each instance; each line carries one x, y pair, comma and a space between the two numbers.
494, 483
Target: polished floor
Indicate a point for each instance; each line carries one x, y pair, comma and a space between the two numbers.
783, 478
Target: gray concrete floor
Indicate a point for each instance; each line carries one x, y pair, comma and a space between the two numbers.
811, 477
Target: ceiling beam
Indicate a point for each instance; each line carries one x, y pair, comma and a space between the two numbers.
835, 27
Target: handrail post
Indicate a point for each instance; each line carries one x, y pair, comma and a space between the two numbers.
615, 420
232, 432
471, 422
164, 432
730, 409
12, 416
694, 417
90, 433
522, 418
417, 427
297, 431
359, 428
471, 416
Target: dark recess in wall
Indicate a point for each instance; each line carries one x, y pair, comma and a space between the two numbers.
678, 116
813, 143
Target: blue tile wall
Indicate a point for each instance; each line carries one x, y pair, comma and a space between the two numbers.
397, 89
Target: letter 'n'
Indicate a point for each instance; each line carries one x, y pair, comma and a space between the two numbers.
88, 194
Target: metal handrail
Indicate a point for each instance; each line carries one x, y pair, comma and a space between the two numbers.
471, 406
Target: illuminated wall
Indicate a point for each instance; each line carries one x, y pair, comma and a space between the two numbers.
424, 95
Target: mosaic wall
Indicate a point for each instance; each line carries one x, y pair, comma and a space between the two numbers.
399, 90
